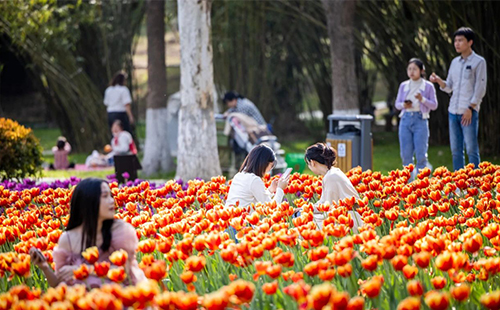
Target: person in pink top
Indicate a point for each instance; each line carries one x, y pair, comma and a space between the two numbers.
91, 223
61, 151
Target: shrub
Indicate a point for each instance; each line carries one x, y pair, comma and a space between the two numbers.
20, 151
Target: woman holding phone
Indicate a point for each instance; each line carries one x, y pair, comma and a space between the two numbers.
416, 98
247, 186
320, 159
91, 223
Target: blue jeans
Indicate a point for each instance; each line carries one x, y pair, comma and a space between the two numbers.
414, 139
459, 135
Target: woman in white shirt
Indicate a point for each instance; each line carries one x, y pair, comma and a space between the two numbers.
247, 186
320, 158
118, 100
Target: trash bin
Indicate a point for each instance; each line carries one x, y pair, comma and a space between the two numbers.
352, 140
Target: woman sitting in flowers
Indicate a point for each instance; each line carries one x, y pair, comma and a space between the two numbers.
320, 158
247, 186
82, 247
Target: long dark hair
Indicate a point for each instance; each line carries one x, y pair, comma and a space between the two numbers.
119, 79
257, 160
84, 210
322, 153
420, 64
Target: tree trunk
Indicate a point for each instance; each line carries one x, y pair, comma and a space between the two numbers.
157, 157
340, 21
197, 141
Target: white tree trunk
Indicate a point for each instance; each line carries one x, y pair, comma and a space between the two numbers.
157, 157
197, 154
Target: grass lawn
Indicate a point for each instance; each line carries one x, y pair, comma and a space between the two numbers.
385, 154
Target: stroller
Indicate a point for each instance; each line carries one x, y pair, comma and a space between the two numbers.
244, 139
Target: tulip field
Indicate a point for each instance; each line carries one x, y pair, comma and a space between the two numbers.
431, 243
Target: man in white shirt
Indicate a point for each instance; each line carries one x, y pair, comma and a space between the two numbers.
466, 82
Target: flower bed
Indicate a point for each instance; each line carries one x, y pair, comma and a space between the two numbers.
428, 244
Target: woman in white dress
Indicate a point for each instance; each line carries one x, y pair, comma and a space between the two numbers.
321, 158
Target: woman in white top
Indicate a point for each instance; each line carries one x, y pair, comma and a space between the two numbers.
320, 158
118, 100
247, 186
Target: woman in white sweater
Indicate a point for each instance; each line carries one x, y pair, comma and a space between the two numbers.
247, 186
320, 158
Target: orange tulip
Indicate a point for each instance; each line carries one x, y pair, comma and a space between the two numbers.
345, 271
444, 261
119, 258
144, 292
370, 263
415, 288
410, 303
195, 263
460, 292
216, 301
437, 300
244, 290
274, 271
311, 269
320, 296
21, 268
356, 303
270, 288
147, 246
372, 287
82, 272
297, 291
117, 274
398, 262
473, 244
186, 301
491, 300
156, 271
438, 282
188, 277
164, 246
422, 259
410, 271
101, 269
343, 257
326, 275
165, 300
339, 300
286, 259
91, 254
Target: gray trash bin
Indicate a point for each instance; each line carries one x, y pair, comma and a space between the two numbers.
352, 140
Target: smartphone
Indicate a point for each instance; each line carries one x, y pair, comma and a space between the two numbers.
37, 252
286, 173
